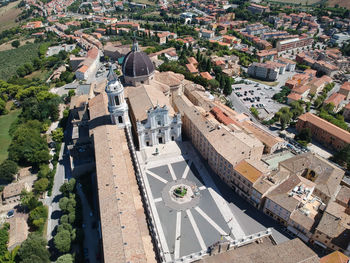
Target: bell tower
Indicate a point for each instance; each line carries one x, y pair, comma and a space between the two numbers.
116, 102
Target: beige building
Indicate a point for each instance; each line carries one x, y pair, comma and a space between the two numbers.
221, 147
124, 232
12, 192
334, 228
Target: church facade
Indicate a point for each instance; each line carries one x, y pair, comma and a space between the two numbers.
159, 127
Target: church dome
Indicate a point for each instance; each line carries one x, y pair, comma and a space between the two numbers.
137, 63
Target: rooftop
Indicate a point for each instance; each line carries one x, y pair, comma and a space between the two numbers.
123, 224
248, 171
327, 126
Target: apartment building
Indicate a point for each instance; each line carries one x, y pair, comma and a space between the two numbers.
294, 43
332, 233
275, 34
208, 34
325, 132
265, 55
263, 71
293, 205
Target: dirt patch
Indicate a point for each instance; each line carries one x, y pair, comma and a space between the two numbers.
8, 15
8, 46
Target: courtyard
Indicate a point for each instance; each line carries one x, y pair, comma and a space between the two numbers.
188, 221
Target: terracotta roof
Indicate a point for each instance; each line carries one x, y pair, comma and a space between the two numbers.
335, 98
301, 90
294, 96
192, 60
248, 171
335, 257
327, 126
343, 196
191, 68
206, 75
222, 116
345, 86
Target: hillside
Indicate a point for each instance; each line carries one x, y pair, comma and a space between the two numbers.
12, 59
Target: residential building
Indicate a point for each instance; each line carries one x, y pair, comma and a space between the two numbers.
191, 68
208, 34
171, 55
293, 97
325, 132
346, 112
337, 100
339, 38
333, 230
85, 66
345, 90
294, 43
12, 192
265, 55
258, 9
263, 71
115, 52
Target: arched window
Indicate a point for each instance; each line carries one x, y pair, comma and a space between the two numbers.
120, 119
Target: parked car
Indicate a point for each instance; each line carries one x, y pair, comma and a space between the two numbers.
10, 213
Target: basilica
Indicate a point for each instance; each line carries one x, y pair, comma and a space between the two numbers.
147, 100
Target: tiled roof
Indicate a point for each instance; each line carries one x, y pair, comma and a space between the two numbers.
248, 171
327, 126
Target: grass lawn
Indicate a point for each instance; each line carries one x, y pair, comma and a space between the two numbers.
8, 15
269, 83
12, 59
41, 74
5, 138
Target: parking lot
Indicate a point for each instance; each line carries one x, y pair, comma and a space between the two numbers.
258, 96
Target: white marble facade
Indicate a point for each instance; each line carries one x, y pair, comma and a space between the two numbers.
159, 127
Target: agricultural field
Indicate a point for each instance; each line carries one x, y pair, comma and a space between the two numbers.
340, 3
12, 59
8, 15
5, 138
298, 2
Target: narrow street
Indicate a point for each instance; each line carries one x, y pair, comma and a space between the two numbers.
90, 232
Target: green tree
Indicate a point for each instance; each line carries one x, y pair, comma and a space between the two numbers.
4, 238
33, 249
29, 200
62, 241
255, 112
2, 107
304, 136
15, 43
67, 187
41, 185
8, 169
38, 216
67, 258
57, 135
227, 87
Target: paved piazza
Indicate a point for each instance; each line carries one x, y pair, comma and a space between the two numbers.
191, 223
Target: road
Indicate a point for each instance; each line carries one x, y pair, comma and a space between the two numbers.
62, 172
90, 234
